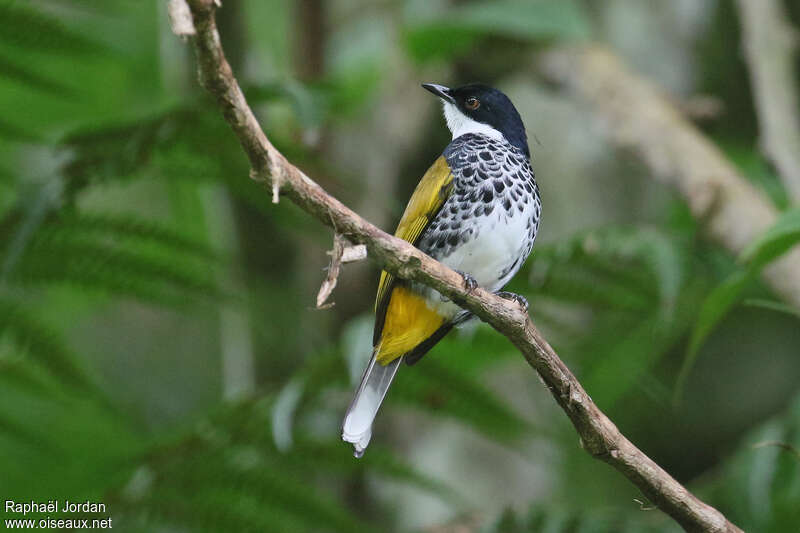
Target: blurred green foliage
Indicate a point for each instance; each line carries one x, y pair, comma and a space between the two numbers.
121, 267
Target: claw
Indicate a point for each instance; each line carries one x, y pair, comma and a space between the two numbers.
514, 297
470, 283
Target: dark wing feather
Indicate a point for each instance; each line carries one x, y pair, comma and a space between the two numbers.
432, 191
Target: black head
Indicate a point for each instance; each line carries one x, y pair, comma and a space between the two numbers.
484, 105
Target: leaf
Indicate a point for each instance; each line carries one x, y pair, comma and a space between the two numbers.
777, 240
122, 228
560, 519
239, 473
119, 150
313, 457
306, 102
759, 483
438, 390
603, 268
15, 133
26, 28
584, 283
283, 411
757, 169
625, 362
43, 345
122, 253
49, 437
252, 425
453, 30
630, 296
531, 19
20, 227
13, 71
256, 504
774, 242
772, 305
156, 278
713, 310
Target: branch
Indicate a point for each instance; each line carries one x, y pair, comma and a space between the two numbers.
340, 254
637, 116
599, 436
770, 44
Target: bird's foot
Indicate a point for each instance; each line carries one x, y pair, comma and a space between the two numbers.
514, 297
470, 283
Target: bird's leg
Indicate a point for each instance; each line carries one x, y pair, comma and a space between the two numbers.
514, 297
470, 283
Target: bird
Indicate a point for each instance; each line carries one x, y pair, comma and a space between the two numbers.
477, 210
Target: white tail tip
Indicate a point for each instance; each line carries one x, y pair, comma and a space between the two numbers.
357, 425
359, 442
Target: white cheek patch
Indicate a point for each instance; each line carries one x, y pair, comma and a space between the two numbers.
460, 124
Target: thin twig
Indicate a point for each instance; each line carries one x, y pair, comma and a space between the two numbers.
276, 189
770, 48
599, 436
778, 444
329, 283
644, 506
180, 18
353, 254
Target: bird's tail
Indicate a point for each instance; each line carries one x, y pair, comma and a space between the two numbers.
357, 425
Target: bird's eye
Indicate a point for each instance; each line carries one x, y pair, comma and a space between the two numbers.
472, 103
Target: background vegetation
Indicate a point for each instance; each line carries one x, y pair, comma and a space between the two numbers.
159, 350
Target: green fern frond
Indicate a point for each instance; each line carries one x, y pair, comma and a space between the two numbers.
541, 518
43, 345
14, 71
248, 424
123, 229
177, 143
314, 457
637, 284
238, 474
760, 482
16, 133
578, 283
24, 27
438, 390
119, 151
473, 352
211, 508
20, 225
49, 436
308, 458
620, 268
158, 278
618, 368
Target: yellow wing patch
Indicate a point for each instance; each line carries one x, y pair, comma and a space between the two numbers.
409, 321
403, 319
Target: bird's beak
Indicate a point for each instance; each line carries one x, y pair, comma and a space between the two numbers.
439, 90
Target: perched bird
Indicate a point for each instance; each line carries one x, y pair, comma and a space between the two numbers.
476, 210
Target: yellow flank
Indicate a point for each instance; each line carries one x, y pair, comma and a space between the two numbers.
431, 192
409, 321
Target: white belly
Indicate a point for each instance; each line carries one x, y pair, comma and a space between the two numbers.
488, 257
